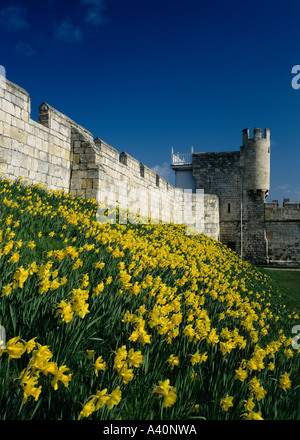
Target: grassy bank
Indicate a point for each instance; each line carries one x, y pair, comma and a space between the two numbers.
109, 321
288, 282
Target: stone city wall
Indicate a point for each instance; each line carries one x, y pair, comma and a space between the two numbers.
61, 154
37, 152
100, 171
283, 233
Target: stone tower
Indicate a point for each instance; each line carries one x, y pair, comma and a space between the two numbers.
255, 158
255, 184
241, 180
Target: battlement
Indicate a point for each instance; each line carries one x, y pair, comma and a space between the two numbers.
63, 155
286, 205
290, 211
257, 135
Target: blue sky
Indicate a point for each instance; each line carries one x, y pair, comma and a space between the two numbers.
146, 76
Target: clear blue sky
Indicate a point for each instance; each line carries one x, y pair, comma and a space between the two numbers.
146, 76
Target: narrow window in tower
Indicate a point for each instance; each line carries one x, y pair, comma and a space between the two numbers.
228, 207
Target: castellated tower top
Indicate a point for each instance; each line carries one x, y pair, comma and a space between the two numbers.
256, 160
256, 135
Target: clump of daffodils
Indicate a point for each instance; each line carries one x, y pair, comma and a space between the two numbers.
39, 365
124, 360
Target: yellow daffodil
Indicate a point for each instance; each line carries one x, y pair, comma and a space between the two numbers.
99, 365
226, 402
285, 382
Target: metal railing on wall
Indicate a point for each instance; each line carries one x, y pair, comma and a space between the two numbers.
181, 158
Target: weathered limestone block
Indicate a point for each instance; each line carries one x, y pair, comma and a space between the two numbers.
87, 184
7, 106
5, 155
25, 116
17, 159
43, 167
18, 134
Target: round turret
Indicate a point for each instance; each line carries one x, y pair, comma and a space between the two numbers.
256, 160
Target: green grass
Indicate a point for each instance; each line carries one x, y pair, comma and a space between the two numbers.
288, 282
